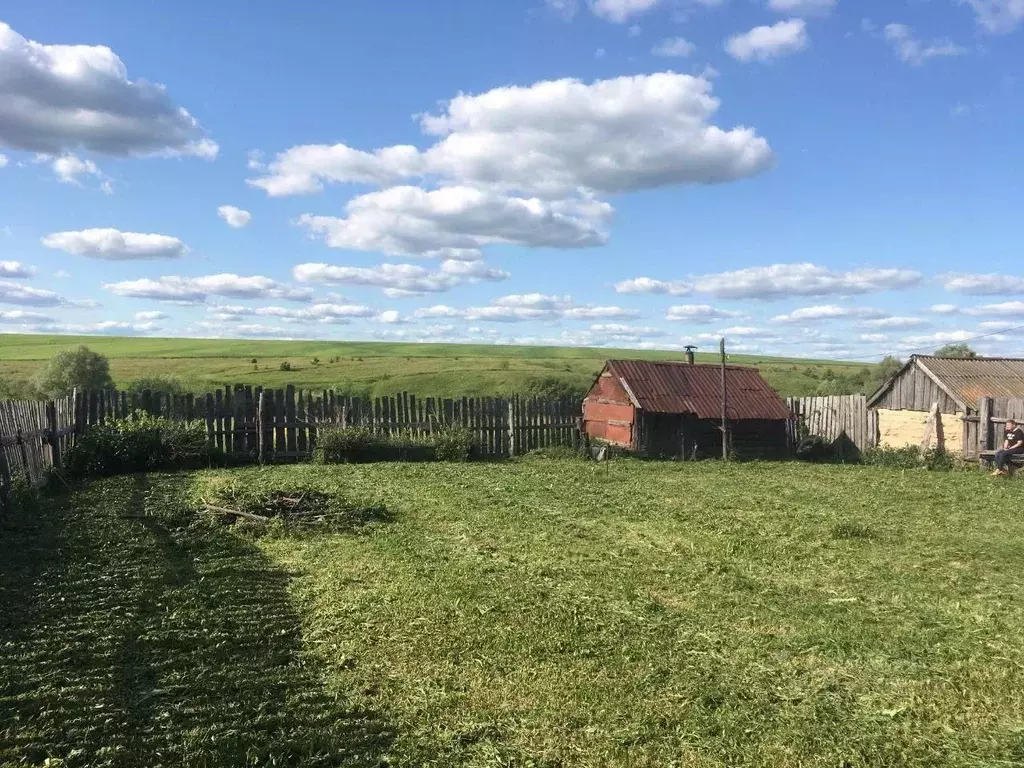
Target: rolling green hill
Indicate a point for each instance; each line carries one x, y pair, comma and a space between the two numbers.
386, 368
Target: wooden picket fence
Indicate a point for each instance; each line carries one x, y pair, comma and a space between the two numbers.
835, 415
281, 424
33, 437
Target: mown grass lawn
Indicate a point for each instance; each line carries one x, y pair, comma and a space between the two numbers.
538, 612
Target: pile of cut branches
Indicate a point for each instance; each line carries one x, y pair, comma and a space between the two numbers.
295, 510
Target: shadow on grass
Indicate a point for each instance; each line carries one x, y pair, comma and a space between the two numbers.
131, 635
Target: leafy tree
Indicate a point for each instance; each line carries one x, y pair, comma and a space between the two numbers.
955, 350
74, 368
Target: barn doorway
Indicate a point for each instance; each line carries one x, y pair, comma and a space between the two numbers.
665, 435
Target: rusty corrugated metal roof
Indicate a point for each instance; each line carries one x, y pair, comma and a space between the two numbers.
661, 387
967, 379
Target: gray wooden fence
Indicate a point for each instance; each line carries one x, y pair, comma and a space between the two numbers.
833, 416
282, 424
33, 437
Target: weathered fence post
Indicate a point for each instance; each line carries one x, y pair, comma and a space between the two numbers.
261, 449
51, 430
984, 425
512, 426
76, 413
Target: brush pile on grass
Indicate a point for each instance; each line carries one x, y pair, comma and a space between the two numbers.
266, 508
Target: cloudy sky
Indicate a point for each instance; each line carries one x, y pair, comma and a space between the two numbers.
807, 177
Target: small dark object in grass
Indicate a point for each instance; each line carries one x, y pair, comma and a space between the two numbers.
294, 511
285, 366
815, 448
853, 531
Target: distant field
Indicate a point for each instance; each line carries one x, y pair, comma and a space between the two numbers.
382, 368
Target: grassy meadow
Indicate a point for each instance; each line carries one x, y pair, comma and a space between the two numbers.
384, 368
535, 612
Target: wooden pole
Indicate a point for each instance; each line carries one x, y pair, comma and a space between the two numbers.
725, 416
51, 429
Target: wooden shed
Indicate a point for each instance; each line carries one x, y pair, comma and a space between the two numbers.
674, 409
957, 386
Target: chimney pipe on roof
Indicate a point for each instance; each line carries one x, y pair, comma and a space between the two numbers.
689, 354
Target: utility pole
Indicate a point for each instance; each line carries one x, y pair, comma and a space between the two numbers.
725, 415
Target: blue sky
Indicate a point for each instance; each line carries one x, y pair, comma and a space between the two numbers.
806, 177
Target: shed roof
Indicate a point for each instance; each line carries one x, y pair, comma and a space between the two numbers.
665, 387
967, 379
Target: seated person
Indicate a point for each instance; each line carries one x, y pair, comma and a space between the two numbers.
1012, 445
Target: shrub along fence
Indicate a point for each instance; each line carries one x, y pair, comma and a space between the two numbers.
281, 424
33, 437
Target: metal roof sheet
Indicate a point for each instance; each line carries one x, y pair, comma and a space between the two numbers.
970, 378
665, 387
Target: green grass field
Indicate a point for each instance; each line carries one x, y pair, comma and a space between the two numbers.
384, 368
526, 613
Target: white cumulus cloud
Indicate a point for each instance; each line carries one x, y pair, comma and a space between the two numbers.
458, 221
150, 316
983, 285
803, 279
18, 293
114, 245
235, 217
828, 312
674, 46
58, 98
802, 7
620, 11
197, 290
765, 43
700, 313
914, 51
15, 269
551, 139
649, 285
400, 280
998, 16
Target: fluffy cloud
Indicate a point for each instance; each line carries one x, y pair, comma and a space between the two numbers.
873, 338
802, 7
828, 312
913, 51
21, 316
409, 221
15, 293
3, 161
235, 217
782, 280
551, 139
317, 313
114, 245
150, 316
57, 98
525, 307
766, 43
700, 313
984, 285
620, 11
15, 269
674, 46
399, 280
998, 16
197, 290
648, 285
944, 309
894, 323
941, 337
1003, 309
112, 327
70, 168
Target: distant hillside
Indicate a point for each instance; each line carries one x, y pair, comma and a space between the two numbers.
386, 368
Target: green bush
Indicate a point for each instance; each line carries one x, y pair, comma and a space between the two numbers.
911, 457
72, 369
140, 443
453, 444
356, 445
285, 366
160, 382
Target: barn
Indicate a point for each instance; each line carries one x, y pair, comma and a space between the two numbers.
955, 385
674, 409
